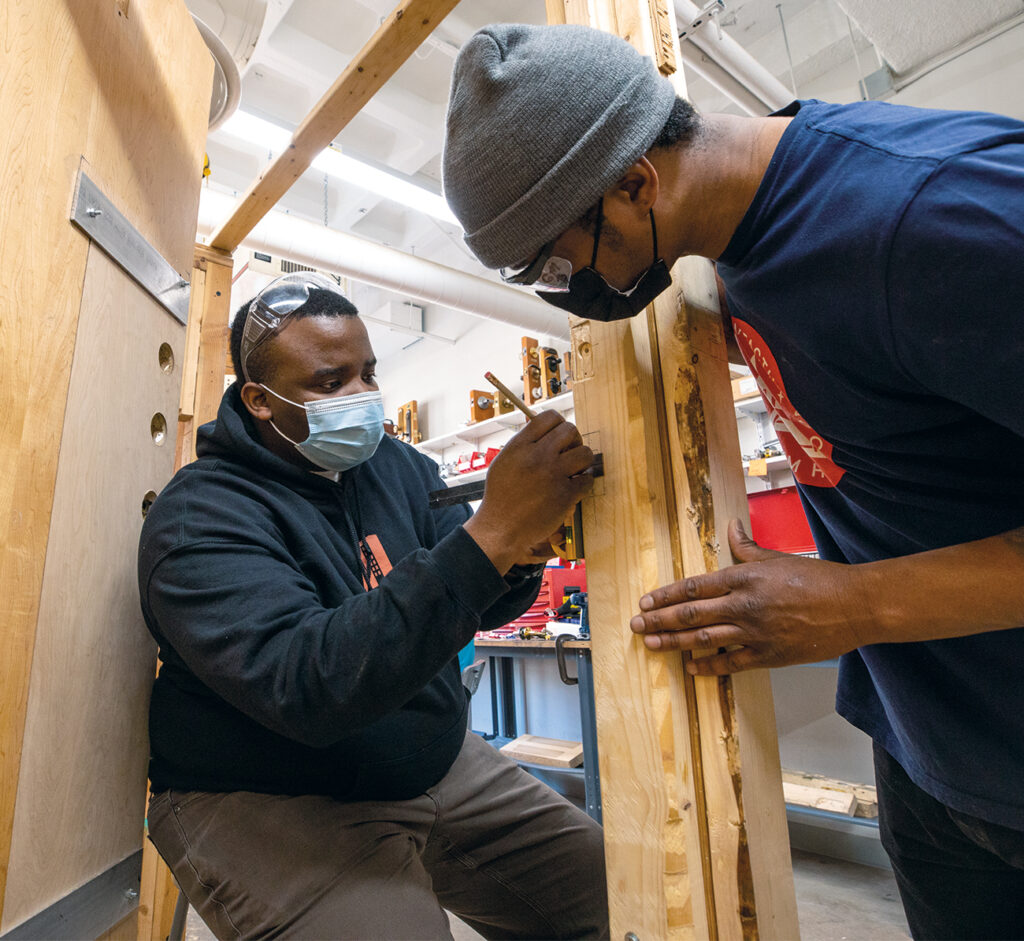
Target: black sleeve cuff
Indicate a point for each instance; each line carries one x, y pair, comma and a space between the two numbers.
468, 573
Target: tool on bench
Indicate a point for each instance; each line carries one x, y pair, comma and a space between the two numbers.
580, 598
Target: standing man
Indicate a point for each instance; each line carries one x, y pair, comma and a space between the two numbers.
872, 258
312, 773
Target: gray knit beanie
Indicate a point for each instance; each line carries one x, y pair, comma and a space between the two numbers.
541, 121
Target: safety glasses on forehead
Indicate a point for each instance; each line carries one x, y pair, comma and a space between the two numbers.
271, 308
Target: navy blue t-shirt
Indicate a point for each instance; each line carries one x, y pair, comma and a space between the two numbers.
876, 286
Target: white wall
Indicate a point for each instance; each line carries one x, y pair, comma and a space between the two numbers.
440, 376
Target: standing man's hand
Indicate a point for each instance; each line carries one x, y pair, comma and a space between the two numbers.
531, 486
770, 610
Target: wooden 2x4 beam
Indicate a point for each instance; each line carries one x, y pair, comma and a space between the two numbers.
395, 40
694, 820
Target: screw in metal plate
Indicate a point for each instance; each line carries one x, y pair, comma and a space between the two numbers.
92, 212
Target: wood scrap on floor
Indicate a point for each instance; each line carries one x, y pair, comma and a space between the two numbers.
821, 793
555, 752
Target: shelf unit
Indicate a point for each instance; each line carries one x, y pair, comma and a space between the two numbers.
752, 406
466, 478
471, 434
771, 462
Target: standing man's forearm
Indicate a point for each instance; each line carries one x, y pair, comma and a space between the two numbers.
775, 609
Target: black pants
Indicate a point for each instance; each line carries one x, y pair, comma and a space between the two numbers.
959, 877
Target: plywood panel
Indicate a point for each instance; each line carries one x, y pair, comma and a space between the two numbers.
83, 767
127, 88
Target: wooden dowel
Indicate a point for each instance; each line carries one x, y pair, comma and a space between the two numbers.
511, 396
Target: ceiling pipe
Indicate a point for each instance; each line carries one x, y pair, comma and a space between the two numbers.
720, 78
310, 243
768, 93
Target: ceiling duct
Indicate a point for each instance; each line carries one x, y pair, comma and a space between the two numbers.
227, 83
233, 30
719, 59
311, 243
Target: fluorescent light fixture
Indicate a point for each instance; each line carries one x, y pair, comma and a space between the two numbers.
253, 130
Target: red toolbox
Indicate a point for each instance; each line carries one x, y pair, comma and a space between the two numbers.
778, 521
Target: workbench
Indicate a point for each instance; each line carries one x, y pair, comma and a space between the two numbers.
502, 654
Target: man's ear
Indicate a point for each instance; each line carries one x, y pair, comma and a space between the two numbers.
255, 399
638, 187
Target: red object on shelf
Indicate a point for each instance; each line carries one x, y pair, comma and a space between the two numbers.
552, 590
778, 521
466, 462
483, 458
556, 578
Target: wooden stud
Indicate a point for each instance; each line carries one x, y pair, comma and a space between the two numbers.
158, 894
394, 41
695, 832
214, 332
203, 372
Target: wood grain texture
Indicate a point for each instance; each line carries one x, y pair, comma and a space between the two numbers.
202, 387
83, 765
129, 95
214, 330
193, 330
556, 752
124, 930
657, 392
748, 838
158, 894
650, 804
394, 41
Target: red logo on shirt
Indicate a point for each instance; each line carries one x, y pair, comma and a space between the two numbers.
809, 454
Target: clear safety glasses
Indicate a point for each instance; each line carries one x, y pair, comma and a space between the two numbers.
272, 307
544, 272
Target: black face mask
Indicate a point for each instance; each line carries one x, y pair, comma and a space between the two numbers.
590, 296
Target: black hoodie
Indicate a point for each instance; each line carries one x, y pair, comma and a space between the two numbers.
281, 673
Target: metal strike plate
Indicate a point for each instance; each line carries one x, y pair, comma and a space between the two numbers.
103, 222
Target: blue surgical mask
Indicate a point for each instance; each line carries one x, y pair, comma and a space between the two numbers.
343, 431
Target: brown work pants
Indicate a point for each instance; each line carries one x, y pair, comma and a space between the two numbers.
488, 842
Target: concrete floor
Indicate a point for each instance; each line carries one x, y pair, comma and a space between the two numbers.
837, 901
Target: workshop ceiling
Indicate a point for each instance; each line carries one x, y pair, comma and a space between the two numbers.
290, 51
